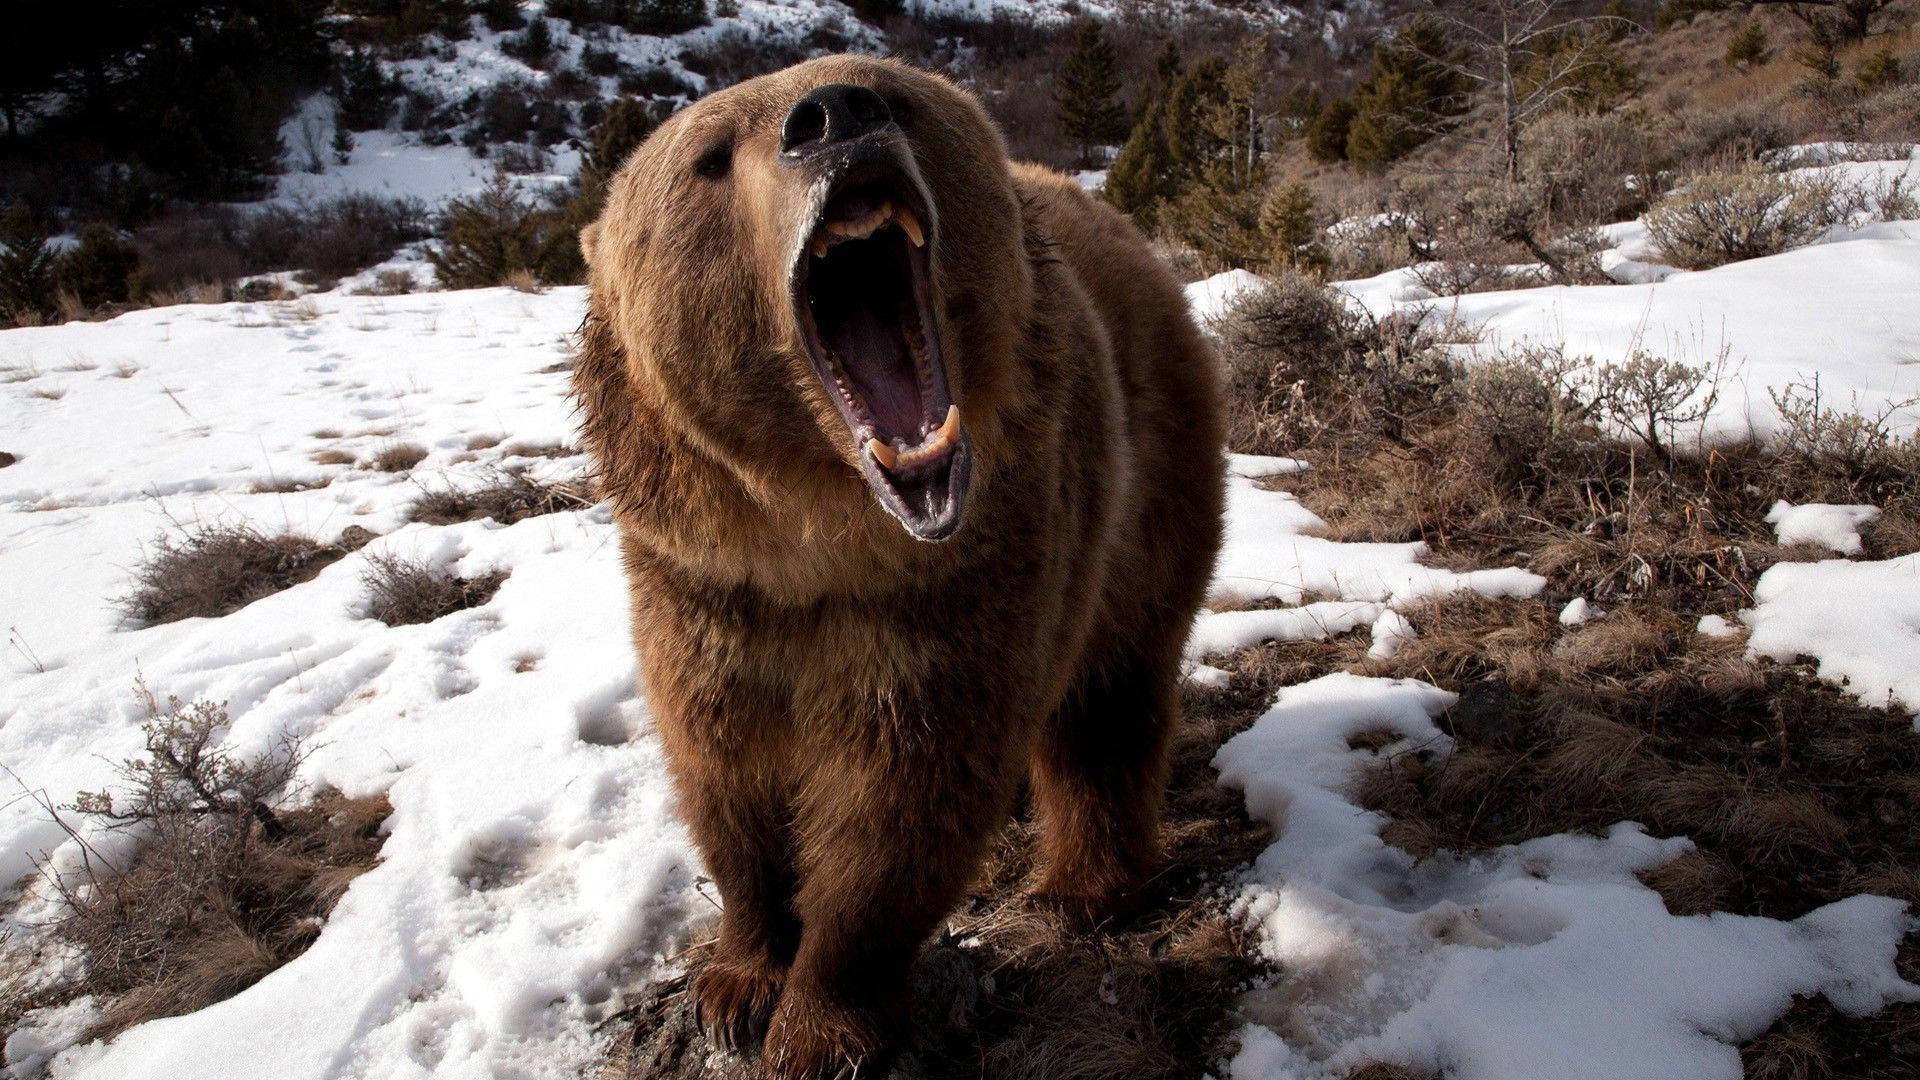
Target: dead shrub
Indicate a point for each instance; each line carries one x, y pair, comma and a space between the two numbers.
213, 570
331, 457
1723, 217
227, 882
399, 457
1847, 453
1303, 367
402, 591
506, 496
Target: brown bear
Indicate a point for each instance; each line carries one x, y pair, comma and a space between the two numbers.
916, 461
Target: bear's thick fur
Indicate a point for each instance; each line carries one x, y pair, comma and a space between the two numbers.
850, 709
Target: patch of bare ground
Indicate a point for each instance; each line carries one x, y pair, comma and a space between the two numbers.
213, 569
403, 591
1795, 794
228, 881
1007, 992
505, 495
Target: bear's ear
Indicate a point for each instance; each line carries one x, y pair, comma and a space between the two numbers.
589, 240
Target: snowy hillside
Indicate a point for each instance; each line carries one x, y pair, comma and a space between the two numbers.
534, 876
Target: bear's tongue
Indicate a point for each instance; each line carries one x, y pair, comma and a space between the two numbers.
873, 353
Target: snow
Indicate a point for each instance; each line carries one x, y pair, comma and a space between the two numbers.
1577, 611
533, 863
1272, 553
1548, 958
1860, 621
1211, 297
1832, 526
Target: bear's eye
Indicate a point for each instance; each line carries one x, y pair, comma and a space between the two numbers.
902, 110
714, 163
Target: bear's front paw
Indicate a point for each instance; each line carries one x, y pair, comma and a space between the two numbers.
816, 1038
733, 1000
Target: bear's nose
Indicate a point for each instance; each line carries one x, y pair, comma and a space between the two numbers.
832, 113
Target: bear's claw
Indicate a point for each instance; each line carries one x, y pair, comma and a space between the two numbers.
733, 1001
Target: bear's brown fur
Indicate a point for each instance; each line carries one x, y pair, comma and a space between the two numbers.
850, 711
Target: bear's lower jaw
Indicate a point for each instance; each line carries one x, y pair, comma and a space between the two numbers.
862, 295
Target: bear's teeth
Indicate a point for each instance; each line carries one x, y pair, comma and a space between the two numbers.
910, 225
886, 455
950, 428
864, 227
819, 246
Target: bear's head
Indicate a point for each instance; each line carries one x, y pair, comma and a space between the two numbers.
822, 270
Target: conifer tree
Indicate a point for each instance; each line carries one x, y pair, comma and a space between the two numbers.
1412, 94
1748, 48
1143, 174
1881, 69
1085, 90
1287, 221
26, 266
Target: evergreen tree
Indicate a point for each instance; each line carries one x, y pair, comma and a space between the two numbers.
26, 266
1085, 90
1143, 174
1327, 132
667, 16
1880, 70
1412, 94
100, 269
495, 234
1748, 48
1287, 221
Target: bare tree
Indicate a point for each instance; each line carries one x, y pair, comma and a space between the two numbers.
1527, 56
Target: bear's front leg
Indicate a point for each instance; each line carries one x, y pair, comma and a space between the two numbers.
888, 840
744, 842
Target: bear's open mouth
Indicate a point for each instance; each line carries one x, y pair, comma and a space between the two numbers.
863, 296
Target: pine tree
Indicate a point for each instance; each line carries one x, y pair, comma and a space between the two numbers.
1748, 48
1327, 132
1142, 175
99, 269
26, 266
1882, 69
667, 16
1408, 98
1085, 90
1287, 221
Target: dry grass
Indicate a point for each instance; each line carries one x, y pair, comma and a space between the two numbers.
403, 591
331, 457
506, 496
211, 570
398, 457
226, 883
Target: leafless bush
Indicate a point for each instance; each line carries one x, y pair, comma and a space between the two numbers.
506, 496
1596, 168
1303, 365
403, 591
211, 570
389, 283
1531, 408
1857, 453
226, 882
1723, 217
1652, 398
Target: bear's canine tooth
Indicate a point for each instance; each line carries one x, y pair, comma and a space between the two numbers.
950, 427
819, 245
909, 224
886, 455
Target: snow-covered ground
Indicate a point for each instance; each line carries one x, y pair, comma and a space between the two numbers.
534, 869
534, 872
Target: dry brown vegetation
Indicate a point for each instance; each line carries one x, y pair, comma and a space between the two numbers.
403, 591
227, 881
213, 569
1796, 794
1007, 992
506, 496
399, 457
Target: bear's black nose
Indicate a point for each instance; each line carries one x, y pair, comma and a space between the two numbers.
832, 113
